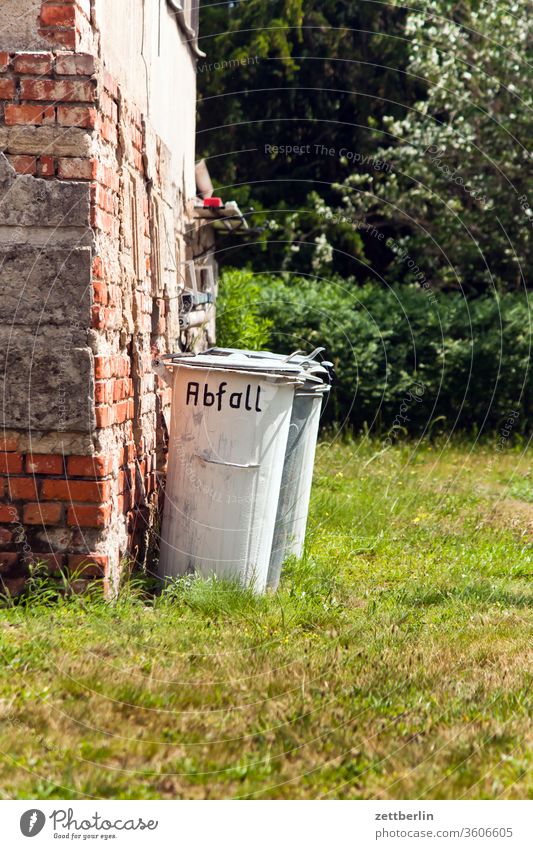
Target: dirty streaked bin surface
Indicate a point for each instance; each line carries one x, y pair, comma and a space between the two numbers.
228, 436
297, 478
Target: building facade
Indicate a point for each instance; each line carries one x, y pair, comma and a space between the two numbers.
98, 243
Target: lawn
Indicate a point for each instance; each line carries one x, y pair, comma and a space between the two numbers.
395, 662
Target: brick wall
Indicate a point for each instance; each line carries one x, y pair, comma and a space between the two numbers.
96, 229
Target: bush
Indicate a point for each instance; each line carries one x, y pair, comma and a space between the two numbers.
239, 323
406, 359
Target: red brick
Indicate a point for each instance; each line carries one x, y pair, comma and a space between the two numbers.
7, 89
98, 317
108, 131
8, 559
89, 565
46, 166
98, 268
22, 488
98, 466
75, 64
14, 586
109, 178
77, 169
120, 389
113, 294
121, 412
110, 84
10, 462
89, 515
109, 107
44, 464
53, 561
28, 114
58, 16
58, 91
103, 367
9, 443
4, 61
101, 220
103, 198
67, 38
33, 63
137, 139
103, 392
42, 514
121, 481
67, 490
77, 116
100, 293
136, 117
104, 416
138, 161
24, 164
5, 536
8, 514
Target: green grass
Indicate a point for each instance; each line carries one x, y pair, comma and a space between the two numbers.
395, 662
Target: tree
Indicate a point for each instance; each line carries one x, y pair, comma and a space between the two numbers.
290, 95
455, 202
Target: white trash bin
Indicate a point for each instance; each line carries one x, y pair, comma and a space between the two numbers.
228, 436
297, 478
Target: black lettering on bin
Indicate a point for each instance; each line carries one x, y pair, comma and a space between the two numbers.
209, 398
193, 390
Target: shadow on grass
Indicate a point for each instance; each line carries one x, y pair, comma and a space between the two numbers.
474, 593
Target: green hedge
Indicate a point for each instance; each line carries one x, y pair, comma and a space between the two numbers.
239, 323
406, 358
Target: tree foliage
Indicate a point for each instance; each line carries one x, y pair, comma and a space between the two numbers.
413, 122
456, 198
316, 77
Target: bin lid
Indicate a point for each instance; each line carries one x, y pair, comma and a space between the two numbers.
314, 371
228, 360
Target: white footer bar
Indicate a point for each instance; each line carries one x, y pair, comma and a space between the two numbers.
268, 824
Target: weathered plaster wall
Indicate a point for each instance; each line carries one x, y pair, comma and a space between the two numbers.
162, 79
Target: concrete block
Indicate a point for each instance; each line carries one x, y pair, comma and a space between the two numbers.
47, 285
29, 202
51, 141
46, 379
19, 29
